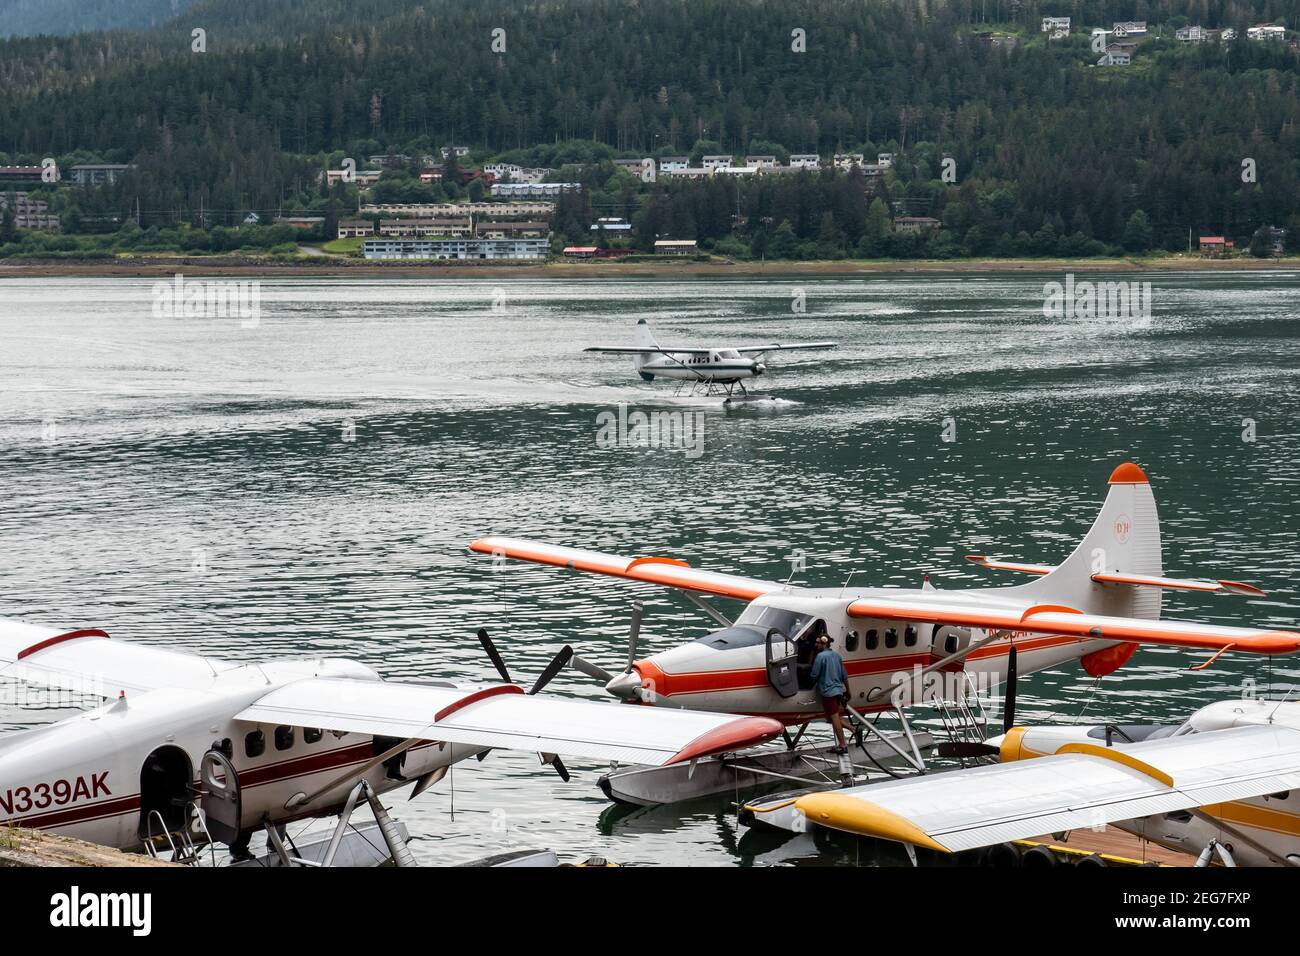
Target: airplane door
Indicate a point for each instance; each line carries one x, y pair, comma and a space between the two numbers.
949, 640
221, 803
782, 670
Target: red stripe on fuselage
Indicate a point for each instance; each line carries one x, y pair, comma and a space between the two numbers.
704, 682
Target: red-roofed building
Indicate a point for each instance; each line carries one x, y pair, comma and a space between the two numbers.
580, 252
1214, 246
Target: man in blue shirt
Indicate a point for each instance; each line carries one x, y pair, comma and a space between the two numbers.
831, 681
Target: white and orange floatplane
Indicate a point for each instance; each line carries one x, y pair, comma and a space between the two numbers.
194, 751
904, 646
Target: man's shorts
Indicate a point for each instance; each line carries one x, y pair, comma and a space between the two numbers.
830, 706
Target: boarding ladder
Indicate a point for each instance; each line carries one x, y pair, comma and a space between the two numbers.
184, 850
964, 720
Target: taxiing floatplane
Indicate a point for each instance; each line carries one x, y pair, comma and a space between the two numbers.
707, 369
903, 646
194, 751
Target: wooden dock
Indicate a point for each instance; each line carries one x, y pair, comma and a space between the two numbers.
1113, 842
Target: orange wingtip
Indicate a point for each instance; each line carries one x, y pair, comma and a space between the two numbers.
735, 735
1128, 474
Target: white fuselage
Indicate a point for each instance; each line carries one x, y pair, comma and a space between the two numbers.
726, 670
719, 366
90, 776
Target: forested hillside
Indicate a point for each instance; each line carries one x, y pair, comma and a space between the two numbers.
62, 17
1041, 138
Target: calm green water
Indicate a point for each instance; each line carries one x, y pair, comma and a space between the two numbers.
132, 445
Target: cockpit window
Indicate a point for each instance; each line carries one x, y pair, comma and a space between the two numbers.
789, 623
728, 354
736, 636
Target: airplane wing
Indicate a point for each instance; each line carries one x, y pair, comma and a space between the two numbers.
1082, 785
645, 350
937, 608
667, 572
88, 661
503, 716
783, 348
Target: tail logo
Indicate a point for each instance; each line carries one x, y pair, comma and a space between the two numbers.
1123, 528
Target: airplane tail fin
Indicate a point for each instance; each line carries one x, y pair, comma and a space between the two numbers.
1125, 539
645, 340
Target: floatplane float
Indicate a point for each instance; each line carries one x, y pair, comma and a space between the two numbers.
706, 370
901, 646
193, 751
1223, 786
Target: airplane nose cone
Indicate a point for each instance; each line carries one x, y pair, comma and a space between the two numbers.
625, 686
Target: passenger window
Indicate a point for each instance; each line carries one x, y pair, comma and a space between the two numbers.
891, 637
909, 636
311, 735
851, 641
283, 738
873, 639
254, 744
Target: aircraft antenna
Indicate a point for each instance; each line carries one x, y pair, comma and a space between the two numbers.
1280, 703
847, 580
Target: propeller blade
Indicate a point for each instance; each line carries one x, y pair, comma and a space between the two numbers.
493, 655
966, 749
591, 670
557, 664
427, 781
1009, 704
634, 634
560, 768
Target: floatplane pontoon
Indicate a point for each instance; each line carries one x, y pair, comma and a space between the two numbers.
901, 646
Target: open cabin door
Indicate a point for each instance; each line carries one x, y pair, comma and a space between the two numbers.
782, 663
221, 801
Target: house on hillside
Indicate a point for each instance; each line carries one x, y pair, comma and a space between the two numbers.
1265, 32
1130, 28
676, 247
352, 228
1191, 34
1215, 247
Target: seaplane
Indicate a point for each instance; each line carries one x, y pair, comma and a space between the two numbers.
1222, 786
192, 751
706, 369
905, 646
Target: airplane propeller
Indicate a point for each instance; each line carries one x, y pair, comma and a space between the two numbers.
557, 664
625, 685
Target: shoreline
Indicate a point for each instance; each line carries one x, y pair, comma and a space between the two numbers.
166, 266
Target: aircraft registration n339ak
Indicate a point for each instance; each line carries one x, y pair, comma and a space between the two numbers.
705, 367
1096, 606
